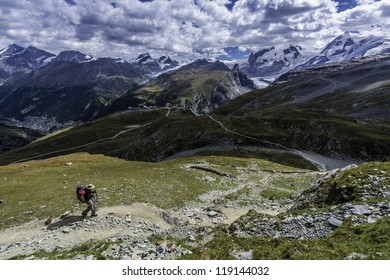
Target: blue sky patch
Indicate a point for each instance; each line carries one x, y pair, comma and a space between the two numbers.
345, 5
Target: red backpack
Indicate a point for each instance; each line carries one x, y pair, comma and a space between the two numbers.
80, 192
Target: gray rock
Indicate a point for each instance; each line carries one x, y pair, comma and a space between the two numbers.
244, 255
49, 249
66, 230
356, 256
168, 218
208, 179
125, 257
89, 258
162, 247
361, 210
5, 248
69, 163
136, 257
138, 252
2, 201
212, 214
335, 222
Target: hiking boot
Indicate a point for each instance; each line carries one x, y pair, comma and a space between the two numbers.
84, 214
93, 215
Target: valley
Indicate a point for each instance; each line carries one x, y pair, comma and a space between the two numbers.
192, 161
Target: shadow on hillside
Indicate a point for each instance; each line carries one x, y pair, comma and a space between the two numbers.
66, 221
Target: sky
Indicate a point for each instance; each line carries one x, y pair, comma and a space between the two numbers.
126, 28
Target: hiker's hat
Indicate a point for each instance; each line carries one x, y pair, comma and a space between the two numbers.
90, 186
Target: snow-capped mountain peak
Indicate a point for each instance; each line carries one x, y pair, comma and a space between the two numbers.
339, 45
165, 62
348, 46
144, 58
273, 61
72, 55
155, 65
10, 50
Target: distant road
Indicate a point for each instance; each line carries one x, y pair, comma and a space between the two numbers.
322, 162
130, 128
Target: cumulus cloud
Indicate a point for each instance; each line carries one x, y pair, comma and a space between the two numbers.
125, 28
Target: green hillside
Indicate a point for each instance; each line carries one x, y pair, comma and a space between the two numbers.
46, 188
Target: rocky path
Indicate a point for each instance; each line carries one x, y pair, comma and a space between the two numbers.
134, 220
136, 223
131, 231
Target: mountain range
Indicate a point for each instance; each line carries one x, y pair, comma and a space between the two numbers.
270, 63
347, 47
335, 111
200, 86
155, 65
73, 87
15, 60
192, 161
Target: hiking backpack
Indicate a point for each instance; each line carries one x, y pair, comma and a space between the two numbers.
80, 192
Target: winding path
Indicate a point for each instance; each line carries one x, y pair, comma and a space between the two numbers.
130, 128
320, 161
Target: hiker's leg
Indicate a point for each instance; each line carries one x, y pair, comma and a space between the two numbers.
93, 206
89, 208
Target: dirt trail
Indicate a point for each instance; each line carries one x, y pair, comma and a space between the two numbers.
139, 221
138, 212
35, 233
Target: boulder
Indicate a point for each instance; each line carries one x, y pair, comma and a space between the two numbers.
361, 210
335, 222
212, 214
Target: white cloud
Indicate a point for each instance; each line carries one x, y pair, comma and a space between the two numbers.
126, 28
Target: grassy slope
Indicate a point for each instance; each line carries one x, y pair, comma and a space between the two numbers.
349, 186
160, 138
83, 134
320, 124
172, 88
371, 240
39, 189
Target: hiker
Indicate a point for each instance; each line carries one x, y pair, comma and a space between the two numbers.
88, 195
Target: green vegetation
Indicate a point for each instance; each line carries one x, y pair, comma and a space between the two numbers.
43, 188
150, 136
274, 155
371, 240
80, 135
272, 193
312, 129
349, 186
95, 248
